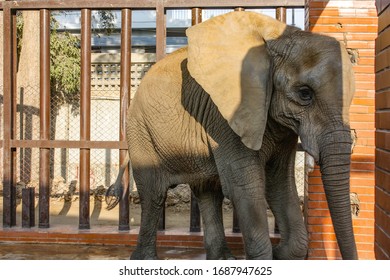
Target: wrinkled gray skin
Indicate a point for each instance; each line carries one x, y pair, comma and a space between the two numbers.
224, 115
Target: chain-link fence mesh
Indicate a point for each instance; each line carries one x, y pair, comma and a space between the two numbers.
300, 176
105, 103
27, 169
27, 128
65, 125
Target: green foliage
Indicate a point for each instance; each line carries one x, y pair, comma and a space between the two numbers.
64, 66
19, 32
65, 60
106, 19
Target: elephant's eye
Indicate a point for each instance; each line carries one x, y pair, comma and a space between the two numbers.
306, 94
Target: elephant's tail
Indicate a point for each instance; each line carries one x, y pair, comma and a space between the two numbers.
115, 192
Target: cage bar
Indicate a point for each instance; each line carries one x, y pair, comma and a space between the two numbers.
44, 153
9, 76
196, 17
281, 14
125, 87
85, 118
161, 31
161, 34
28, 207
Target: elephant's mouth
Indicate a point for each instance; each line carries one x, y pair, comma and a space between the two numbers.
312, 153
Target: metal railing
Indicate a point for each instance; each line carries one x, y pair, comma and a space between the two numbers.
10, 144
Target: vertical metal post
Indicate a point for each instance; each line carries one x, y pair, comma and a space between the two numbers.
14, 101
236, 226
160, 53
9, 191
293, 17
44, 153
196, 15
194, 215
125, 86
161, 223
85, 118
28, 207
160, 30
281, 14
276, 228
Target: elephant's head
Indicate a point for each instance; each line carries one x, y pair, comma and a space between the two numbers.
255, 68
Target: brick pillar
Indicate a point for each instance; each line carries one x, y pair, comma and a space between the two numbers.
355, 24
382, 188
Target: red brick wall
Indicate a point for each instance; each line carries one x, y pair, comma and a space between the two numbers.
355, 24
382, 189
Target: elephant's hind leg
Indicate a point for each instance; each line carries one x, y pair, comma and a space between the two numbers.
210, 200
152, 192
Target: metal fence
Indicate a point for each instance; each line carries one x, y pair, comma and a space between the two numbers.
47, 145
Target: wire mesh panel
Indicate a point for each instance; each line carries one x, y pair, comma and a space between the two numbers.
65, 119
64, 172
138, 71
300, 176
104, 168
27, 128
27, 168
27, 114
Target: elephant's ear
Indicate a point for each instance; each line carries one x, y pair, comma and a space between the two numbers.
227, 56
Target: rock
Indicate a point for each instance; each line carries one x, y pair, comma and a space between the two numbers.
179, 197
58, 187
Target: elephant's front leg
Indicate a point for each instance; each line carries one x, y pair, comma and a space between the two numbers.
283, 200
247, 191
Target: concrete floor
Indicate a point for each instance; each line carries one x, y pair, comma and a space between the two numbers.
18, 251
24, 251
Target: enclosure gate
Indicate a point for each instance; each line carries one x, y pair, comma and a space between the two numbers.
10, 144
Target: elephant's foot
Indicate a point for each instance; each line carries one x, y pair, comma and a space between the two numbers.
221, 252
144, 254
221, 257
230, 257
290, 251
228, 254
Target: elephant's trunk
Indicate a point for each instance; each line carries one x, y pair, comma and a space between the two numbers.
335, 160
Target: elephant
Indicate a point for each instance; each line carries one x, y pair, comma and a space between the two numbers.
224, 114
